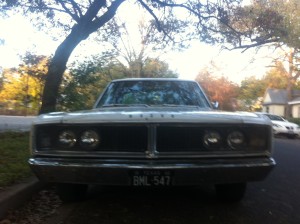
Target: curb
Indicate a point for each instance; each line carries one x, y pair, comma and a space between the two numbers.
15, 196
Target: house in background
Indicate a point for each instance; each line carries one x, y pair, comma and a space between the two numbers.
275, 101
295, 104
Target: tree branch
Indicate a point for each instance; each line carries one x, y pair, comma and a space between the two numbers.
164, 4
257, 44
159, 28
76, 8
94, 8
108, 15
73, 15
158, 23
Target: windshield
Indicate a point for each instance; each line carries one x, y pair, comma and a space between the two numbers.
151, 92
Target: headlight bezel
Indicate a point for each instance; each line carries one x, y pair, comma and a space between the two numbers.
212, 139
67, 139
236, 140
64, 138
92, 139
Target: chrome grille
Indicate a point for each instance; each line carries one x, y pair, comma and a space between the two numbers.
177, 139
123, 139
153, 140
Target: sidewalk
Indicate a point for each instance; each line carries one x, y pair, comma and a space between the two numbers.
14, 196
15, 123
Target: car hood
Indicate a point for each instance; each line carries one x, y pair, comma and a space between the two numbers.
142, 115
285, 123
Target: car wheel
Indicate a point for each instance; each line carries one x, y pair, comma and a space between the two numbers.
230, 192
71, 192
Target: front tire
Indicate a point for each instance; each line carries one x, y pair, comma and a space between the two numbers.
231, 192
71, 192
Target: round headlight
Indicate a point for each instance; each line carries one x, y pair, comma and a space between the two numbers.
67, 139
212, 139
236, 139
89, 139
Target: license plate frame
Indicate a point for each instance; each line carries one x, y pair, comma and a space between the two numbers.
151, 178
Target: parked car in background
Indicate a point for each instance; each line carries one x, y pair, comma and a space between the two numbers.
282, 127
151, 133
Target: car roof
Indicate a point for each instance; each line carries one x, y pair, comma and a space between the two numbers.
153, 79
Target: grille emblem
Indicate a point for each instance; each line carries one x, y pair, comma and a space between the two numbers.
150, 154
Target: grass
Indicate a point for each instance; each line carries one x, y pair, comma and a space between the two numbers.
295, 120
14, 153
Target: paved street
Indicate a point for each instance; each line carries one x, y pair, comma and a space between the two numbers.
275, 200
15, 123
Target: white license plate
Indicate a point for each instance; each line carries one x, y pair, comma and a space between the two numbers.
151, 178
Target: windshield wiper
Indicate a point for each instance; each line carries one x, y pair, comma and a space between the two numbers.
125, 105
176, 105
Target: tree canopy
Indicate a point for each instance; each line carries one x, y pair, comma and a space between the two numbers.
24, 85
176, 21
224, 22
220, 89
84, 81
274, 23
262, 22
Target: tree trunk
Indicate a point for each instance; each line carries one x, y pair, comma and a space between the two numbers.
291, 82
57, 68
289, 91
86, 25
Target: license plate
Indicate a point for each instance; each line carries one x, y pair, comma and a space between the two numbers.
151, 178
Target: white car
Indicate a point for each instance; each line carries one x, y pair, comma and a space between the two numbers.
282, 127
151, 133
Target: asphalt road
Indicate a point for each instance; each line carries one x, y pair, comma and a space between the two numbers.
275, 200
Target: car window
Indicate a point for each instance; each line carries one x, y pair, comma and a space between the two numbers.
275, 117
151, 93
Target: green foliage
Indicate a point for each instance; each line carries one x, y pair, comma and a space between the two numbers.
86, 80
177, 22
150, 68
267, 22
252, 88
24, 85
250, 91
154, 68
263, 22
14, 153
295, 120
276, 77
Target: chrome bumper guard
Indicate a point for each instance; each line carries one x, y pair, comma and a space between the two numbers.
184, 172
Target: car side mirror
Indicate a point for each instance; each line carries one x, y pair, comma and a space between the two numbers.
215, 104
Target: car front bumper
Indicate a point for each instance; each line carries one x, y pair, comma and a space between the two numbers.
118, 172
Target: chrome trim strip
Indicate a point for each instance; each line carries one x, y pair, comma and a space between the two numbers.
163, 155
131, 164
151, 150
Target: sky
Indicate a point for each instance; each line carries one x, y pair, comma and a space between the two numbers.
234, 65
